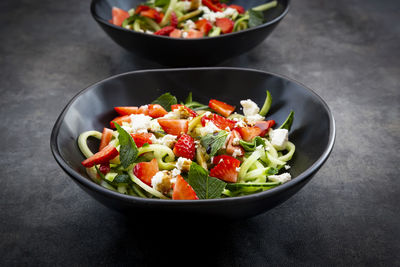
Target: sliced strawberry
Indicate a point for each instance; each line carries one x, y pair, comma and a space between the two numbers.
144, 110
105, 138
120, 120
211, 6
165, 31
231, 147
217, 159
174, 127
118, 16
146, 170
185, 147
248, 133
156, 111
173, 19
219, 121
151, 13
264, 126
142, 138
238, 8
204, 26
126, 110
221, 107
103, 156
225, 24
176, 33
190, 111
141, 8
183, 190
226, 169
194, 34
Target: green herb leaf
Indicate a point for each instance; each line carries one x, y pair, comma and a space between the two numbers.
214, 141
189, 99
255, 18
288, 122
251, 146
205, 186
122, 179
166, 100
161, 3
128, 151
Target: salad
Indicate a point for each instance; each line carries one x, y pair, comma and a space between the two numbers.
189, 150
189, 19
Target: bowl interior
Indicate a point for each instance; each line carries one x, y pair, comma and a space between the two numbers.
312, 130
102, 8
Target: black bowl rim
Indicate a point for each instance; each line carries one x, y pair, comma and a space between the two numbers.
105, 22
94, 186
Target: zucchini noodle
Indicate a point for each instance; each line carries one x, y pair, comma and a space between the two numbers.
290, 147
82, 142
145, 187
160, 152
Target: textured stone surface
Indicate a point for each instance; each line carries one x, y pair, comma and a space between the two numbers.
347, 51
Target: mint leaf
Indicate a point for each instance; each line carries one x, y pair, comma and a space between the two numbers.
161, 3
122, 179
128, 151
205, 186
214, 141
189, 99
288, 122
255, 18
251, 146
166, 100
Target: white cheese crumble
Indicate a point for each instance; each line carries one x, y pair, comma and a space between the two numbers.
157, 179
155, 126
209, 128
140, 123
229, 12
238, 169
249, 107
167, 140
237, 152
282, 178
254, 118
235, 141
187, 5
279, 138
175, 172
189, 24
185, 34
287, 167
175, 114
240, 123
181, 161
210, 15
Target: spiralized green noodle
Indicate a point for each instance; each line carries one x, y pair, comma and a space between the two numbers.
145, 187
290, 147
160, 151
82, 142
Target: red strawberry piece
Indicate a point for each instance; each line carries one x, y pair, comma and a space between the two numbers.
146, 170
190, 111
126, 110
104, 168
248, 133
194, 34
231, 147
120, 120
174, 127
118, 16
219, 121
204, 26
185, 147
182, 190
221, 107
165, 31
105, 138
225, 24
211, 6
264, 126
142, 138
151, 13
156, 111
217, 159
176, 34
226, 169
173, 19
238, 8
141, 8
103, 156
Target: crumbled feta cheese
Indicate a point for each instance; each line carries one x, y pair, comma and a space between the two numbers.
181, 161
229, 12
167, 140
187, 5
189, 24
173, 180
157, 179
235, 141
249, 107
209, 128
175, 172
282, 178
185, 34
279, 138
155, 126
210, 15
159, 9
287, 167
238, 169
237, 152
140, 123
254, 118
240, 123
175, 114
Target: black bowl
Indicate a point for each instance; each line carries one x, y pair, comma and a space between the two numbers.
313, 131
187, 52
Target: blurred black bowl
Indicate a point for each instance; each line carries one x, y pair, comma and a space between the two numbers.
313, 131
187, 52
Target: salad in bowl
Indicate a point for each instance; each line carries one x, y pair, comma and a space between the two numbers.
189, 19
190, 151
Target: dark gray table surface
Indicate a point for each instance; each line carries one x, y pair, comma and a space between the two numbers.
347, 51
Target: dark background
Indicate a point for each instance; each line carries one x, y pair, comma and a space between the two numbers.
346, 50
